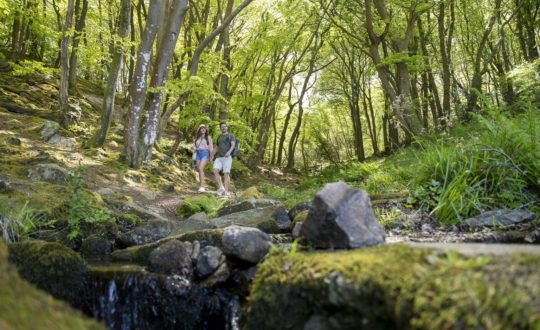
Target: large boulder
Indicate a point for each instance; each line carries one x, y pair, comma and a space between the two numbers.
299, 208
51, 133
270, 219
394, 286
341, 217
25, 307
244, 243
245, 205
500, 218
52, 267
51, 173
148, 232
96, 248
172, 258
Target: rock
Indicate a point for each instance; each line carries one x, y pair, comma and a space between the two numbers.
219, 276
247, 205
500, 218
196, 252
297, 229
52, 267
392, 287
250, 193
149, 195
173, 257
96, 248
51, 173
140, 253
105, 191
13, 140
49, 129
247, 244
300, 217
341, 218
426, 228
209, 260
148, 232
26, 307
271, 219
297, 209
62, 141
5, 187
124, 204
198, 221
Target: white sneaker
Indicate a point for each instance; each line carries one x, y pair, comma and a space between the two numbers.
201, 189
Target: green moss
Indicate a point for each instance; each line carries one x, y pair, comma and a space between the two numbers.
251, 193
300, 217
52, 267
396, 286
203, 203
25, 307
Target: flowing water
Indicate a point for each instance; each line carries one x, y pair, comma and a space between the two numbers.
128, 297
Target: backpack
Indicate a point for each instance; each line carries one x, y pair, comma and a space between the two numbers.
234, 152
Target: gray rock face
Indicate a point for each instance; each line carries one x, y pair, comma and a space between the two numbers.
49, 172
149, 232
500, 218
247, 244
50, 132
49, 129
209, 260
172, 258
272, 219
296, 230
198, 221
219, 276
297, 209
342, 217
247, 205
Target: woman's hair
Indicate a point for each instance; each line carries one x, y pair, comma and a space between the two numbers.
199, 133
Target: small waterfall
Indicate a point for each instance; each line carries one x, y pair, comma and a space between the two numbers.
129, 297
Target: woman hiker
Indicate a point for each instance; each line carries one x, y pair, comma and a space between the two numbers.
202, 148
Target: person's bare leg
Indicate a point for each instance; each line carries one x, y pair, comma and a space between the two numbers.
200, 167
218, 179
227, 181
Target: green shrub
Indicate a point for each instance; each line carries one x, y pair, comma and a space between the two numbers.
202, 203
83, 209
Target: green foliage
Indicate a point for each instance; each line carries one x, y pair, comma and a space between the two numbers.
497, 168
82, 206
17, 222
208, 204
29, 68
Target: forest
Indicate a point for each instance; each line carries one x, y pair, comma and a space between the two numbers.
430, 108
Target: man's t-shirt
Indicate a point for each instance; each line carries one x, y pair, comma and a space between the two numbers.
224, 142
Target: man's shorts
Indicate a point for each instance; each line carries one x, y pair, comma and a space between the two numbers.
223, 163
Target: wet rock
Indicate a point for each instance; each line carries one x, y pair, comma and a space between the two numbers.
173, 257
210, 258
272, 219
96, 248
342, 217
297, 209
297, 229
52, 267
219, 276
247, 244
500, 218
150, 231
245, 205
51, 173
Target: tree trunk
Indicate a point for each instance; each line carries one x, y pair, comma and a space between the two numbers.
108, 100
139, 85
79, 28
64, 68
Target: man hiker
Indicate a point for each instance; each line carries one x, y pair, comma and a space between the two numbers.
225, 145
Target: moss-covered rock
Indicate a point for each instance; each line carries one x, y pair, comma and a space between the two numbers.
52, 267
251, 193
25, 307
202, 203
140, 254
395, 286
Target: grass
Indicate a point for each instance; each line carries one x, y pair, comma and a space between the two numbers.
17, 222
